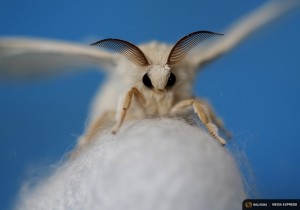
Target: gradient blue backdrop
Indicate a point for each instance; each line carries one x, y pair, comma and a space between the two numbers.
255, 88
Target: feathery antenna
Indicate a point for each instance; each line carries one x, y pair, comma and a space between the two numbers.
129, 50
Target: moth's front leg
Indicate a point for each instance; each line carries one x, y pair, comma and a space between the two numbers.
203, 114
124, 106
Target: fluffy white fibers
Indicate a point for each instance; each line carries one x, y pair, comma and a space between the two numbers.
161, 164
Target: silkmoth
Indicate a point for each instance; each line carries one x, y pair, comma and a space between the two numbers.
155, 82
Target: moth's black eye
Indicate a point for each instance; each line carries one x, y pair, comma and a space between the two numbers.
147, 81
171, 80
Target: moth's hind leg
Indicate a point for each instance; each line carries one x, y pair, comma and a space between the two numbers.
94, 128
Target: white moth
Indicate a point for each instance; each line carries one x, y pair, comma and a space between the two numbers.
156, 82
149, 80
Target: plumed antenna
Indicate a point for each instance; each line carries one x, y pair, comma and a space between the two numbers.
185, 44
129, 50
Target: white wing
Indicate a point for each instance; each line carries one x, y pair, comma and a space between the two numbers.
243, 29
24, 57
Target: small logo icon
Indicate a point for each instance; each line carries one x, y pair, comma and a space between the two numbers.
248, 205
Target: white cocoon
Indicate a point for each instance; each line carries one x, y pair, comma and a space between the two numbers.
153, 164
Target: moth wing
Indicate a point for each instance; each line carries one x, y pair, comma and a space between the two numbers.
25, 57
242, 29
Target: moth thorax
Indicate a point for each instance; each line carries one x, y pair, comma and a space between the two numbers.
159, 76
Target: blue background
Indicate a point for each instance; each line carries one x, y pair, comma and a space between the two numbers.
255, 88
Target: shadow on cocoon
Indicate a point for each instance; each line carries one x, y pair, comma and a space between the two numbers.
149, 164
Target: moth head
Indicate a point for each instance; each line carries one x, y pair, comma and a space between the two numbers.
157, 77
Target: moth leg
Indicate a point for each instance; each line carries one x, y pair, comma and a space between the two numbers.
217, 121
94, 128
203, 114
97, 126
124, 106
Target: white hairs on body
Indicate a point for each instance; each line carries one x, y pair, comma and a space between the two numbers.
150, 164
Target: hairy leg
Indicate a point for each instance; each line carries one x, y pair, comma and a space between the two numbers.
124, 106
203, 114
94, 128
217, 121
98, 125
